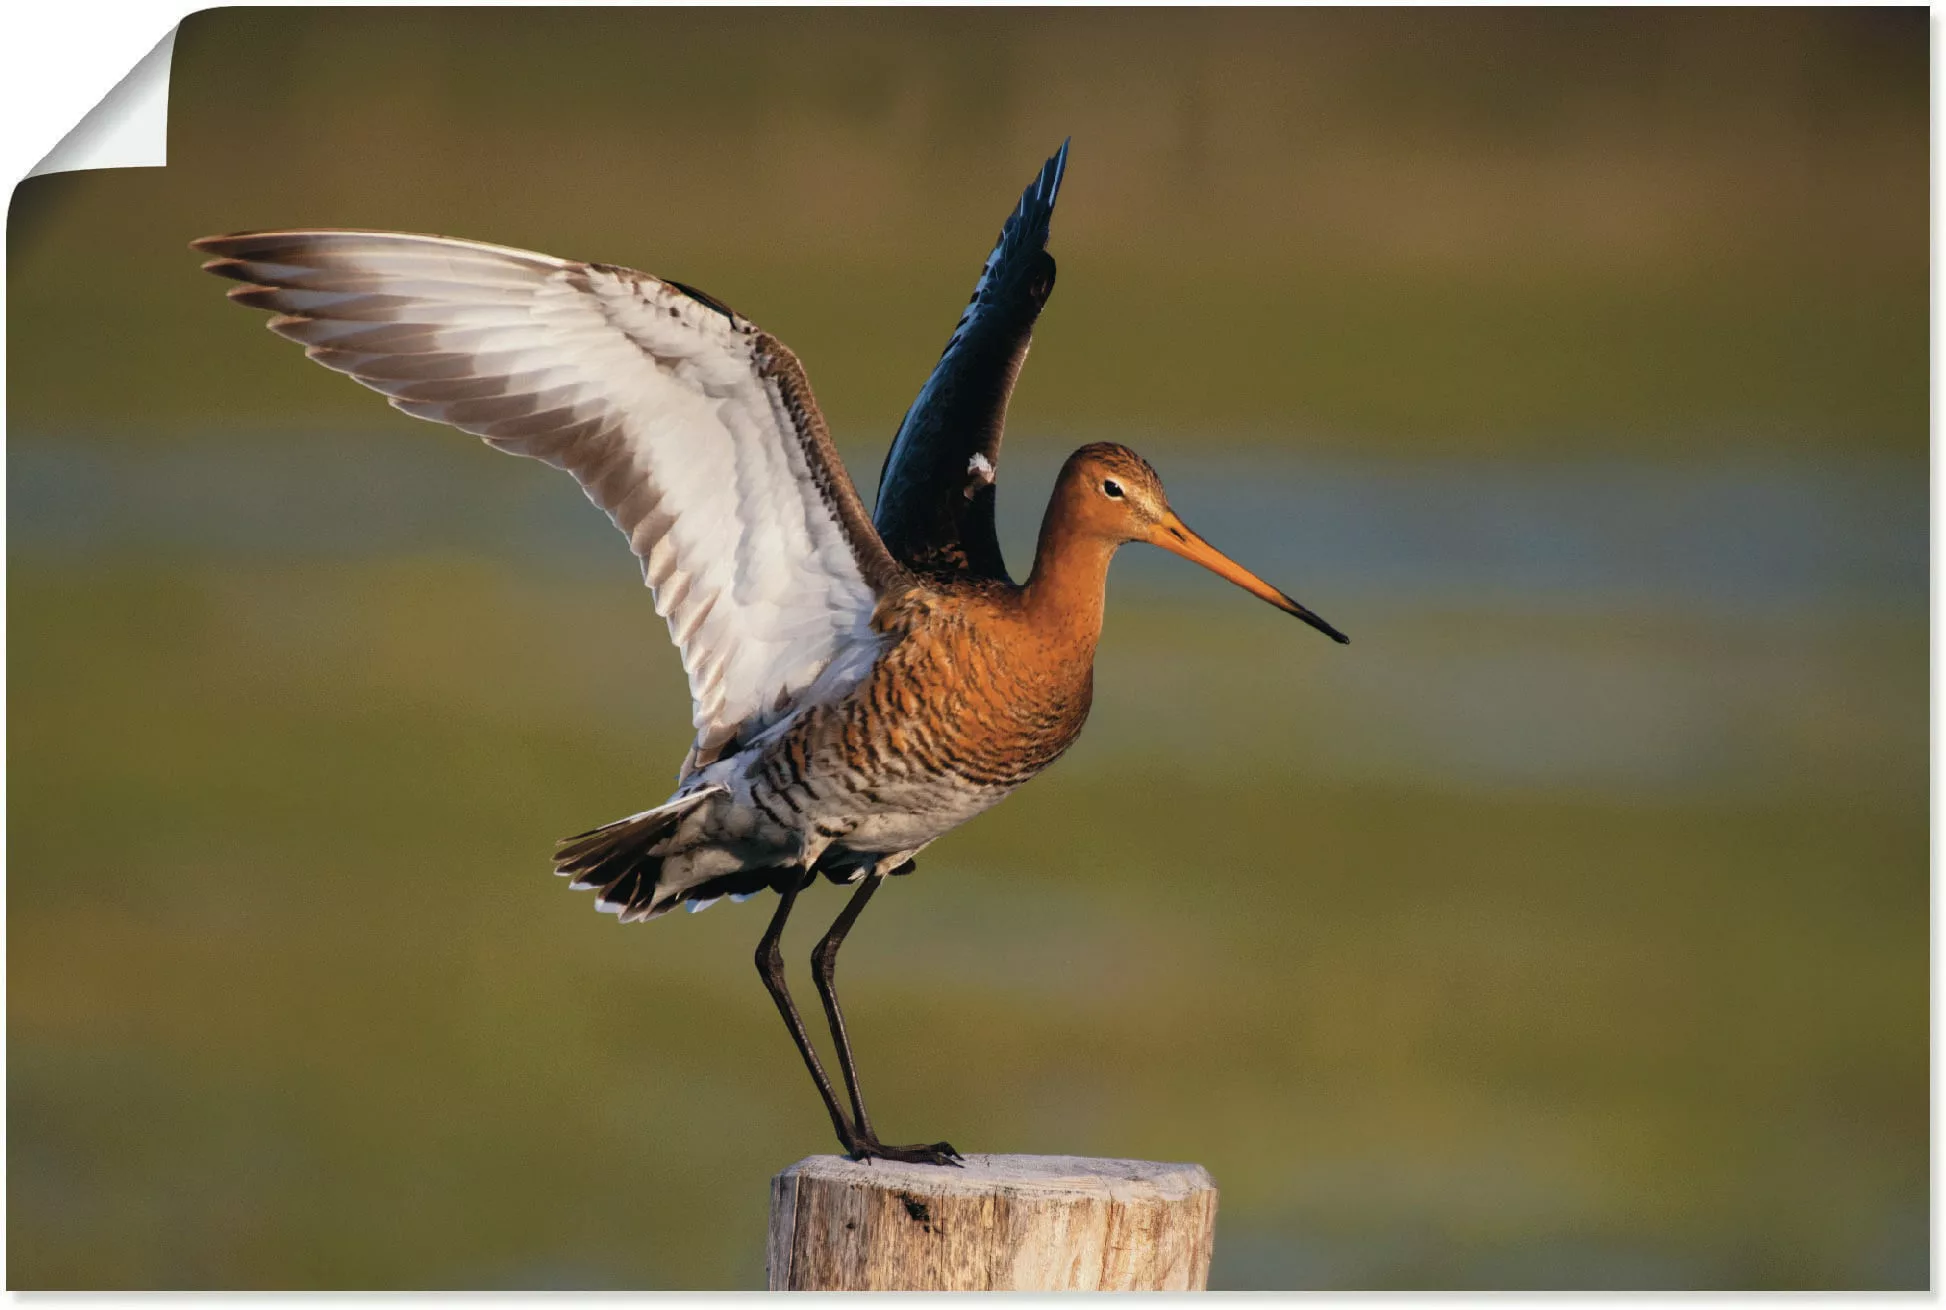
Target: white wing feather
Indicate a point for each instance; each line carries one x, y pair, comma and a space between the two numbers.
692, 428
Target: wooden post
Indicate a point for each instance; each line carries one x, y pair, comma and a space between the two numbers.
1040, 1223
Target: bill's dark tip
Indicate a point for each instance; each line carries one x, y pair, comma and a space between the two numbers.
1326, 629
1300, 612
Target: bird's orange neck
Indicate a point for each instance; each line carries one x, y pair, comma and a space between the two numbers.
1064, 595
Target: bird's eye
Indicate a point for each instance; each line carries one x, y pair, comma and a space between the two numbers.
1112, 488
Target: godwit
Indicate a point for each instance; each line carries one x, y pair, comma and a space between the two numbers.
861, 685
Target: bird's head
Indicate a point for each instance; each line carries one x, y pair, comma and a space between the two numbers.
1109, 492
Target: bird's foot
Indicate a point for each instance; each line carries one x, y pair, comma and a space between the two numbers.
941, 1153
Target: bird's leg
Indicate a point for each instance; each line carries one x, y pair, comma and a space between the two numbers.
824, 963
770, 967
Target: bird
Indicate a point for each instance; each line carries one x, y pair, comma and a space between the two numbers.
861, 684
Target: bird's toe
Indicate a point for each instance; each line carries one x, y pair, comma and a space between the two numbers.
939, 1153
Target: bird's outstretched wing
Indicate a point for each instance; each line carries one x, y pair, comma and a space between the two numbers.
695, 430
935, 496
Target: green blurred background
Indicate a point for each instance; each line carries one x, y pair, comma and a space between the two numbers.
1568, 929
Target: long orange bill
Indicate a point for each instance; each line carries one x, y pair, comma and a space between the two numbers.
1172, 535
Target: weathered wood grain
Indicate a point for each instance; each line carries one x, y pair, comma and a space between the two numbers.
1004, 1222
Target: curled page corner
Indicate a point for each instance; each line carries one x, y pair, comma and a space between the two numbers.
129, 128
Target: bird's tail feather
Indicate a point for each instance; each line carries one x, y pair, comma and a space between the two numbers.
622, 859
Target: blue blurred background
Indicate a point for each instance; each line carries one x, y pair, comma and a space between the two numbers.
1568, 929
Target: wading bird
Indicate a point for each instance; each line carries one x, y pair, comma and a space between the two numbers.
861, 684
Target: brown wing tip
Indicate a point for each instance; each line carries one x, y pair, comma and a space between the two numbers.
258, 297
225, 243
235, 251
262, 246
236, 270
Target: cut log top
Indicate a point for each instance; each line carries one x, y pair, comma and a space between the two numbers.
1004, 1222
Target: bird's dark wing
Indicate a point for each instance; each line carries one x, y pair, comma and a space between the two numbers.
935, 496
